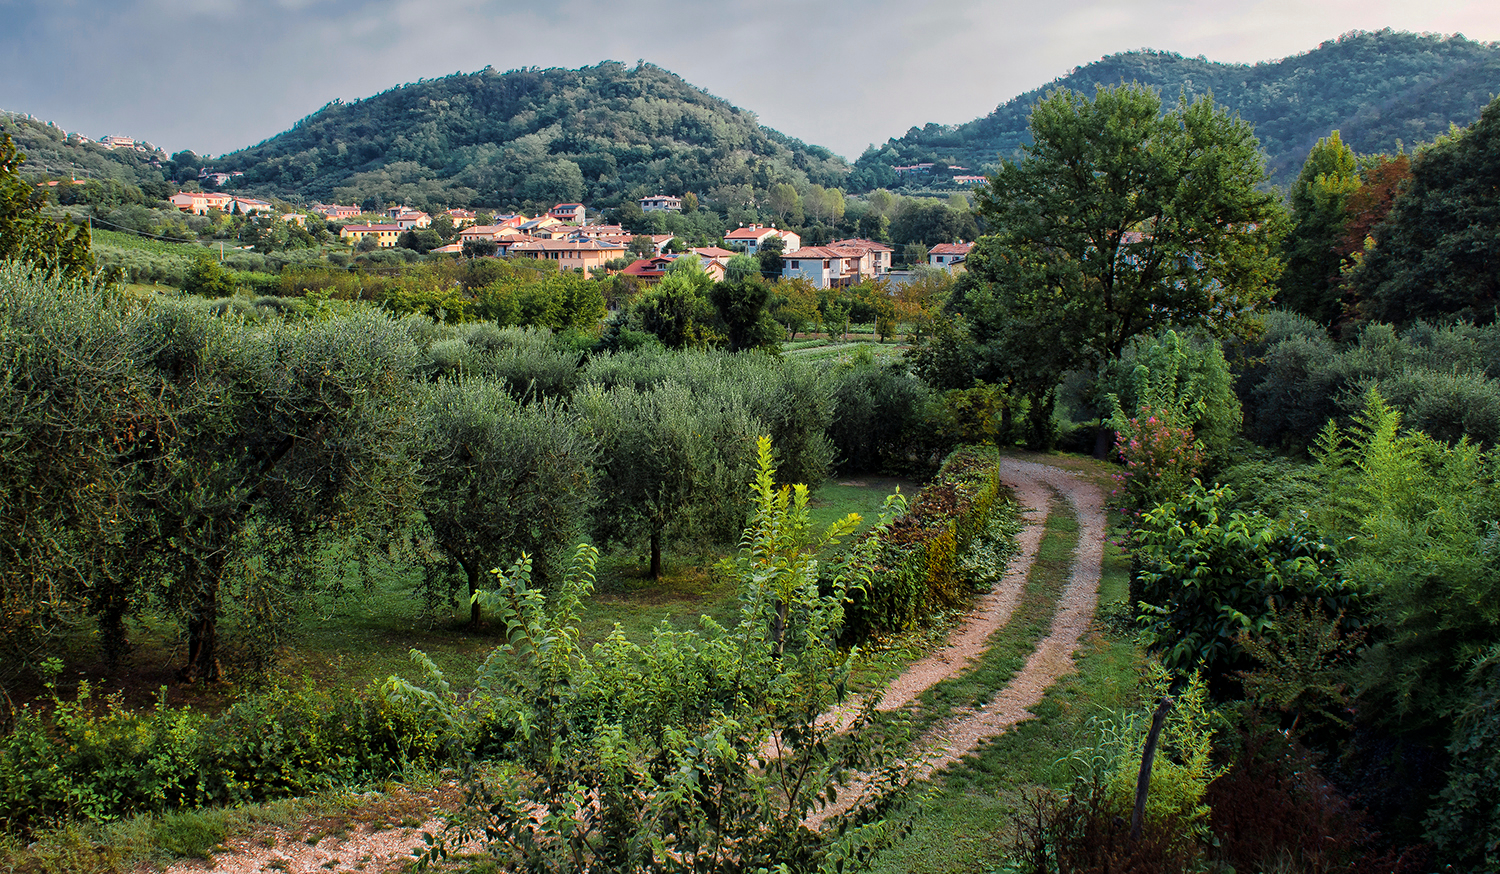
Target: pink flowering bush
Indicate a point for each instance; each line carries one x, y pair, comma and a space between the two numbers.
1161, 459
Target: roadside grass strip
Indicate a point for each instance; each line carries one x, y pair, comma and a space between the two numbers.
1010, 646
966, 822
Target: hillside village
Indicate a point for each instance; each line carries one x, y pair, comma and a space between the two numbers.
565, 235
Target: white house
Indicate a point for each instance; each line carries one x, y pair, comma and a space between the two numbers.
749, 240
823, 266
661, 203
945, 254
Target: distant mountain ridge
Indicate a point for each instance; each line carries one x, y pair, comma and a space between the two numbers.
1377, 88
599, 134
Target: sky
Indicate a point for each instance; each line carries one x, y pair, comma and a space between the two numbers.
218, 75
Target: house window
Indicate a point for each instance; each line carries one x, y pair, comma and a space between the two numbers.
795, 266
825, 265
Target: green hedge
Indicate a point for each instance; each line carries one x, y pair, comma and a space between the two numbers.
963, 511
93, 759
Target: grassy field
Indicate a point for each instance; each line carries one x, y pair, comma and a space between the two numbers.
825, 351
121, 240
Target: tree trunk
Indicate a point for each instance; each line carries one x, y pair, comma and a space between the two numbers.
112, 637
655, 554
203, 639
471, 570
778, 627
1148, 755
1104, 438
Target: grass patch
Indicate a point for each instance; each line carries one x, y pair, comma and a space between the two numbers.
966, 824
146, 842
845, 351
865, 495
121, 240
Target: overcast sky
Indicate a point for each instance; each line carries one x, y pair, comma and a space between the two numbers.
218, 75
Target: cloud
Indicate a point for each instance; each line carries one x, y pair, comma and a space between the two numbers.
217, 75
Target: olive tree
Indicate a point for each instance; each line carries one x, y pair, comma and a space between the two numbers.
274, 432
673, 461
500, 480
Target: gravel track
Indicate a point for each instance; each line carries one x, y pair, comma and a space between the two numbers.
962, 732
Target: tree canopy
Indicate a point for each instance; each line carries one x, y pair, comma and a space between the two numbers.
26, 234
1438, 254
1319, 202
1123, 220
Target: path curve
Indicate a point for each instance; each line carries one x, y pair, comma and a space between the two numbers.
968, 642
963, 732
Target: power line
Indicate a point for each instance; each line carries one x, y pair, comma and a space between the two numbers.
127, 230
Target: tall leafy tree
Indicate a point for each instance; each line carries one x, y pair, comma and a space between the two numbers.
75, 410
1319, 202
501, 480
28, 235
274, 434
1438, 253
1121, 220
743, 308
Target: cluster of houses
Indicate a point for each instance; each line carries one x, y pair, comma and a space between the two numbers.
564, 236
201, 202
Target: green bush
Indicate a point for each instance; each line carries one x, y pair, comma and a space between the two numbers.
1465, 824
97, 760
926, 553
1207, 573
1185, 377
881, 416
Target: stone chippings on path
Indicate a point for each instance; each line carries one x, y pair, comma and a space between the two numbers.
1052, 659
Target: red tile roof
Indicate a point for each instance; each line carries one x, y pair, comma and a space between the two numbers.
864, 244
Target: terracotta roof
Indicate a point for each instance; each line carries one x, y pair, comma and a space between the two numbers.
371, 228
648, 267
816, 253
950, 249
569, 245
864, 244
715, 252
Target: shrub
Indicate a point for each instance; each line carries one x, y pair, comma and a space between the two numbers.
1206, 573
1273, 810
1161, 458
1184, 380
925, 556
880, 418
96, 760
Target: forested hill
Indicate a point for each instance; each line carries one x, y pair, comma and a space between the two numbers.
50, 152
597, 134
1377, 88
